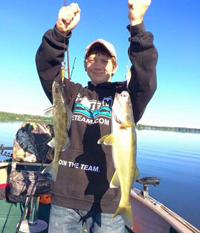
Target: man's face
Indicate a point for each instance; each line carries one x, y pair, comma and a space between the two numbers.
99, 68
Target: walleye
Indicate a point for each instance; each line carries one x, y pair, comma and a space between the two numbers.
123, 141
61, 119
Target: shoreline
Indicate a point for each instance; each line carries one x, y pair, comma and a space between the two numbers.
15, 117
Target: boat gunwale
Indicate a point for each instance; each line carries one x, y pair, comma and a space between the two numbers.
173, 219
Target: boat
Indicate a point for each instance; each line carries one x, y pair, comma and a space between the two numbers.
149, 215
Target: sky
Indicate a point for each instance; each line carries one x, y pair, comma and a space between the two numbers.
174, 24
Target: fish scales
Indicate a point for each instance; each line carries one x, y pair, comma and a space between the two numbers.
123, 142
61, 119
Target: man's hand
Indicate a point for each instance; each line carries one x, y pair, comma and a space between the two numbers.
68, 18
137, 9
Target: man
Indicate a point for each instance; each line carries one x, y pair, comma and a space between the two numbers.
81, 191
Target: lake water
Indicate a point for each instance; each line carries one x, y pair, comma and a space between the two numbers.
172, 157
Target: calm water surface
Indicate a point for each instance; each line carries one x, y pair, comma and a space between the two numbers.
172, 157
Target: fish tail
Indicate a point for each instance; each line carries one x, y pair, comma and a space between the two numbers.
126, 213
52, 169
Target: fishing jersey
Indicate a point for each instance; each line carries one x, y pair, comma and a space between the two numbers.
86, 168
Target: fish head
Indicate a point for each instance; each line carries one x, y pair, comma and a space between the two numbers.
60, 109
122, 102
58, 93
122, 108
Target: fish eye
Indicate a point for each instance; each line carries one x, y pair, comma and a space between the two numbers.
124, 94
56, 90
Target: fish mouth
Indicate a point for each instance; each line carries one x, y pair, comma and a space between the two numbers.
117, 95
121, 101
117, 119
117, 98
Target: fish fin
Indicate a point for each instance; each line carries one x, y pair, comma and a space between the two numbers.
126, 213
69, 114
101, 140
66, 145
52, 169
51, 143
114, 183
128, 76
49, 111
136, 176
126, 125
107, 140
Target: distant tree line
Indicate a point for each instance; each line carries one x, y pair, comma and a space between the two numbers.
166, 128
7, 116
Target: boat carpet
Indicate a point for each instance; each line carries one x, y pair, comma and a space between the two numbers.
10, 215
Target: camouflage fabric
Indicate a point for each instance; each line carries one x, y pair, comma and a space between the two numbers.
21, 184
30, 143
30, 146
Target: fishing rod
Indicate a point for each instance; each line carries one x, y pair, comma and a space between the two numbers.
30, 196
27, 202
40, 169
73, 67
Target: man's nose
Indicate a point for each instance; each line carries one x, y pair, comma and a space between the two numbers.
98, 64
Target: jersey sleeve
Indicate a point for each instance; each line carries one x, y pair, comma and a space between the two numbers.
143, 56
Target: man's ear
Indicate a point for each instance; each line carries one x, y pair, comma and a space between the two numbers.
85, 65
114, 69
